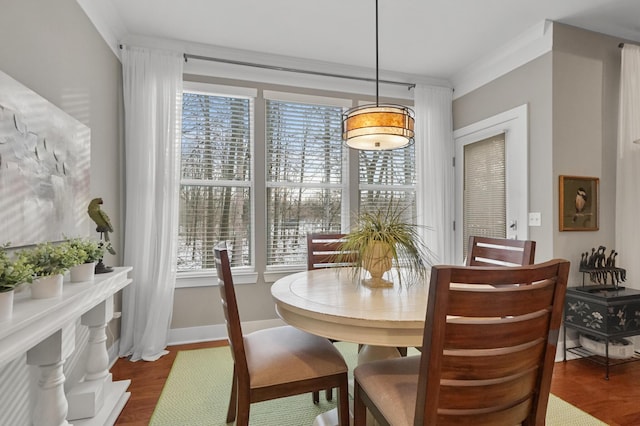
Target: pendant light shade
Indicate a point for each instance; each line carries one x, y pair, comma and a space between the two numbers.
378, 126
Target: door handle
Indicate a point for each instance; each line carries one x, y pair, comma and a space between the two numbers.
513, 225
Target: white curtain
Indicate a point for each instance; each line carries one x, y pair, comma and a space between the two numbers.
152, 84
434, 157
628, 164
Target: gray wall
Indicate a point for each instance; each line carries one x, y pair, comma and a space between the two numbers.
52, 48
529, 84
586, 76
572, 93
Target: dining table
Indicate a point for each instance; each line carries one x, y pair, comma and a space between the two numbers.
335, 303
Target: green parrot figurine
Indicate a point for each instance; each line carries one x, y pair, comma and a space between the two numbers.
103, 224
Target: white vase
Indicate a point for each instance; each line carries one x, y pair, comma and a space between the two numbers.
83, 272
6, 305
46, 287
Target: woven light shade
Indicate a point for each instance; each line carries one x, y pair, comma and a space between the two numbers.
378, 127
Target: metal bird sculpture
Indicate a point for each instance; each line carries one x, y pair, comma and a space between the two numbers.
103, 224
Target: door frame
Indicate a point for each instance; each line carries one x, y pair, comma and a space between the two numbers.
514, 124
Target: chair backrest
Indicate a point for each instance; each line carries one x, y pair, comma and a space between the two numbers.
230, 308
324, 251
487, 251
489, 346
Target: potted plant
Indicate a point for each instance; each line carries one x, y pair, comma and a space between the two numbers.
382, 238
13, 272
88, 252
49, 262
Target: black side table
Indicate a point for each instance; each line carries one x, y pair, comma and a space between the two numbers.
607, 314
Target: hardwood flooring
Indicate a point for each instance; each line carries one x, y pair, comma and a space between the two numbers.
579, 382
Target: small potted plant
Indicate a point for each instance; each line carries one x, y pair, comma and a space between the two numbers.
382, 238
50, 262
88, 252
13, 272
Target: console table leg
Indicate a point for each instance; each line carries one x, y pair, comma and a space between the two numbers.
49, 355
606, 351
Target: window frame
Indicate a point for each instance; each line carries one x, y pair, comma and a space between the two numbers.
351, 186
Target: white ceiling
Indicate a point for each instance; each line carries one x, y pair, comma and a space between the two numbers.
432, 38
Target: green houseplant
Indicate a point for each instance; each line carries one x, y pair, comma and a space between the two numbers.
49, 262
87, 252
382, 238
13, 272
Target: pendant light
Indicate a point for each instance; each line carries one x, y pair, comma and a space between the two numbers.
381, 126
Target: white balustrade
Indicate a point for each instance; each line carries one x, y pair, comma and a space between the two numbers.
44, 329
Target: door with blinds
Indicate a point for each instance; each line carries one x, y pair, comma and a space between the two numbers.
491, 179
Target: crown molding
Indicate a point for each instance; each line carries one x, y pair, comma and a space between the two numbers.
107, 21
528, 46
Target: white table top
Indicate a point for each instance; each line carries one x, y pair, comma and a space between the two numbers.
331, 303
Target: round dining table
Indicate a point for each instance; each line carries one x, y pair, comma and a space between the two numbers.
334, 303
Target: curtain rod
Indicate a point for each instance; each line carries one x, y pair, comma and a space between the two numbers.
299, 71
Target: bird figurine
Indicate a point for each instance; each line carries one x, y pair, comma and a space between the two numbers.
581, 202
103, 224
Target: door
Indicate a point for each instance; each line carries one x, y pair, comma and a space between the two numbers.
491, 179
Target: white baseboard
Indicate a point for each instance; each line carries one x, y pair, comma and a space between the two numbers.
180, 336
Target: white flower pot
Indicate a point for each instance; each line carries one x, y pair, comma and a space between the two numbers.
47, 287
83, 272
6, 305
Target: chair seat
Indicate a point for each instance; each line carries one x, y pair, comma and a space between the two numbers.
392, 385
286, 354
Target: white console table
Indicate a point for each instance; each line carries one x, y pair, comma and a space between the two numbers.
44, 329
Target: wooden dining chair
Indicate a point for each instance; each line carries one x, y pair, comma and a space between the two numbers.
488, 251
324, 250
276, 362
487, 355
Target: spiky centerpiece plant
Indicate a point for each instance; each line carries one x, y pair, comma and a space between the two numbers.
382, 238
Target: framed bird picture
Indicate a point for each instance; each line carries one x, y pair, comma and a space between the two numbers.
579, 203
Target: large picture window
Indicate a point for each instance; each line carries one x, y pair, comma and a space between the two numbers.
261, 184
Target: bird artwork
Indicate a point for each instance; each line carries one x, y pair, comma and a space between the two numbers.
581, 202
102, 221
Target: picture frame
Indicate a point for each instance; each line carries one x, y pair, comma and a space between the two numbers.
579, 203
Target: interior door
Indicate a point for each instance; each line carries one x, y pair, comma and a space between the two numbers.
491, 179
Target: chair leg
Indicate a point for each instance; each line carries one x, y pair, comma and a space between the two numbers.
359, 409
244, 407
316, 397
233, 400
343, 403
329, 394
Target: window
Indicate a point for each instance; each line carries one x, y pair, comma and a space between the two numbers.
388, 177
304, 163
216, 179
274, 184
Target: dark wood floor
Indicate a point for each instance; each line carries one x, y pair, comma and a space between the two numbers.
580, 382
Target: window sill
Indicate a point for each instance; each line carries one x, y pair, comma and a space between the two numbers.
210, 279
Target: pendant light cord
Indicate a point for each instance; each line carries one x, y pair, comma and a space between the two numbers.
377, 67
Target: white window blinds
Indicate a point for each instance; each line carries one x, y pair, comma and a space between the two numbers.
484, 199
304, 168
215, 189
388, 177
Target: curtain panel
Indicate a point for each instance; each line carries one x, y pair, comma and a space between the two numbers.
628, 162
434, 157
152, 85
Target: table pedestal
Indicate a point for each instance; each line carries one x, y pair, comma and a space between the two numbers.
366, 354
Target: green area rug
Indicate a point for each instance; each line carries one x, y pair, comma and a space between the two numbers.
197, 393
